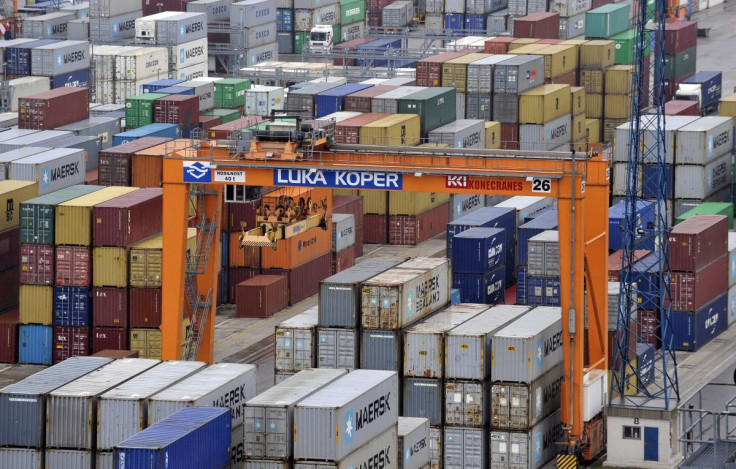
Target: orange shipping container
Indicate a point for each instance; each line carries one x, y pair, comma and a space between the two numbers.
297, 250
148, 166
243, 257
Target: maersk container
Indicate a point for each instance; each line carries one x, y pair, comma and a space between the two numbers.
296, 347
305, 20
68, 458
90, 147
693, 330
38, 139
465, 447
141, 62
378, 452
606, 21
123, 411
699, 182
434, 106
467, 403
103, 127
115, 28
186, 54
333, 100
403, 295
388, 103
184, 27
520, 406
488, 217
532, 449
37, 215
338, 348
479, 250
254, 36
704, 140
484, 287
191, 438
205, 90
228, 385
216, 10
413, 444
252, 13
48, 26
544, 222
31, 458
72, 306
480, 73
537, 334
381, 350
60, 58
546, 137
18, 56
463, 133
518, 74
108, 8
423, 397
343, 407
269, 417
465, 204
9, 156
52, 170
543, 255
424, 343
150, 130
468, 346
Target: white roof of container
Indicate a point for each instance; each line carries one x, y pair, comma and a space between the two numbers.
490, 320
103, 378
48, 155
307, 318
705, 123
203, 382
409, 424
347, 388
519, 201
296, 388
494, 59
530, 324
547, 236
151, 381
454, 126
400, 92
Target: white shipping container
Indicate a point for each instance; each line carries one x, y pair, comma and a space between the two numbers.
296, 348
530, 449
340, 116
48, 26
251, 13
378, 452
595, 393
104, 58
19, 153
191, 73
60, 58
25, 86
731, 258
142, 62
110, 8
113, 28
205, 90
698, 182
184, 27
343, 231
78, 30
21, 457
434, 22
188, 54
8, 119
434, 6
454, 6
731, 305
68, 458
526, 205
348, 32
79, 10
704, 140
568, 8
480, 73
547, 136
413, 445
463, 204
52, 170
145, 27
337, 348
124, 89
311, 4
260, 100
216, 10
262, 54
305, 20
462, 133
254, 36
104, 91
619, 179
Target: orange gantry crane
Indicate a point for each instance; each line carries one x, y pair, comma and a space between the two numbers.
579, 182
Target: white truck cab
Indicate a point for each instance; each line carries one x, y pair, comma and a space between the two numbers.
321, 38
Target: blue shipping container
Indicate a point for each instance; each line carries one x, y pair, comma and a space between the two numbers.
645, 274
487, 217
35, 344
177, 90
616, 215
18, 59
645, 363
710, 84
454, 296
192, 438
333, 100
224, 286
650, 181
693, 330
154, 86
479, 250
547, 221
284, 20
75, 79
187, 132
150, 130
475, 22
542, 291
72, 307
454, 21
377, 47
521, 291
487, 288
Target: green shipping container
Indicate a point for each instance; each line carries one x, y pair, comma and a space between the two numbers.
227, 115
709, 208
230, 92
435, 106
301, 39
336, 35
677, 67
606, 21
37, 215
625, 43
352, 11
139, 109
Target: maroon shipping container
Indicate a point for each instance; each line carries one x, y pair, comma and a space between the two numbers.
612, 347
51, 109
680, 36
510, 136
9, 336
207, 122
680, 107
242, 215
151, 7
671, 86
538, 25
125, 220
498, 45
73, 266
109, 338
697, 242
600, 3
92, 177
239, 275
9, 288
37, 264
359, 241
429, 70
110, 307
145, 307
375, 229
115, 163
374, 11
226, 131
348, 131
343, 260
414, 229
177, 109
116, 354
261, 296
9, 248
693, 290
70, 342
647, 324
361, 101
350, 205
350, 47
615, 264
569, 78
303, 281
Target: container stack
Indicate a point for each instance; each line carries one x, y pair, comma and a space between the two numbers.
455, 75
121, 71
479, 265
351, 204
296, 345
681, 38
260, 100
414, 217
343, 242
310, 13
185, 38
617, 99
572, 17
596, 57
110, 22
546, 221
66, 63
552, 127
55, 108
479, 88
543, 269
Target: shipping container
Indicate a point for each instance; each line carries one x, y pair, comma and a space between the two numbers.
261, 296
692, 330
395, 130
704, 140
397, 14
261, 100
531, 449
488, 217
70, 342
544, 104
423, 397
692, 290
462, 133
147, 342
296, 345
17, 154
413, 443
543, 256
303, 281
380, 450
518, 74
25, 86
539, 25
343, 232
252, 13
48, 26
700, 182
72, 307
479, 250
230, 92
338, 348
389, 101
127, 219
140, 63
74, 217
51, 109
465, 447
113, 28
9, 323
681, 65
168, 131
36, 303
60, 58
433, 105
606, 21
484, 287
36, 261
35, 347
302, 100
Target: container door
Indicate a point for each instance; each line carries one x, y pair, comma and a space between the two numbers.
327, 353
500, 406
453, 404
284, 352
474, 404
519, 403
276, 434
474, 449
346, 349
651, 444
303, 349
255, 432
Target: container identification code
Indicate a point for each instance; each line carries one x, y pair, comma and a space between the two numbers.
338, 179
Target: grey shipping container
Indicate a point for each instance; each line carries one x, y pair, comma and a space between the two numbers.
424, 344
108, 29
254, 36
205, 90
525, 205
480, 73
340, 295
68, 458
389, 102
60, 58
435, 447
36, 139
614, 291
536, 334
9, 156
263, 53
518, 74
343, 407
343, 231
479, 106
228, 385
123, 411
378, 452
266, 464
285, 42
104, 460
305, 20
90, 145
463, 204
216, 10
31, 458
381, 350
52, 170
252, 13
48, 26
103, 127
671, 125
547, 136
109, 8
567, 8
506, 108
469, 345
413, 446
699, 182
462, 133
296, 348
310, 4
397, 14
520, 406
281, 376
527, 454
72, 409
572, 27
15, 133
23, 404
338, 348
467, 403
269, 417
543, 256
423, 398
465, 448
301, 101
704, 140
78, 30
182, 28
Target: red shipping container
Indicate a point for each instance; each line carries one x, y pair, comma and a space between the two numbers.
261, 296
359, 241
9, 248
569, 78
70, 342
92, 177
37, 264
236, 276
207, 122
116, 354
343, 260
596, 441
51, 109
510, 136
242, 215
429, 70
693, 290
697, 242
248, 256
647, 327
348, 131
115, 163
9, 288
73, 266
9, 337
226, 131
125, 220
680, 36
600, 3
303, 281
350, 47
414, 229
538, 25
374, 11
177, 109
615, 264
680, 107
498, 45
151, 7
375, 229
109, 338
145, 307
349, 204
361, 101
110, 307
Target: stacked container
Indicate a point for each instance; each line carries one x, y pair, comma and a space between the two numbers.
542, 275
296, 345
51, 109
479, 87
343, 242
352, 205
595, 57
414, 217
617, 100
479, 265
552, 127
572, 17
680, 60
544, 222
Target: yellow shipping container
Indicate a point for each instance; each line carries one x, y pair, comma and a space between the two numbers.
593, 130
375, 202
530, 49
580, 145
619, 79
435, 145
578, 127
145, 260
592, 80
521, 42
147, 342
12, 193
543, 104
617, 106
609, 128
74, 218
344, 192
559, 60
493, 135
455, 71
594, 105
728, 106
395, 130
36, 304
110, 267
414, 203
632, 382
578, 100
597, 54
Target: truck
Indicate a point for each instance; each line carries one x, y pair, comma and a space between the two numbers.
321, 38
703, 87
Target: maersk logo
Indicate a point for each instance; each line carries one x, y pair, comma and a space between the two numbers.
191, 53
63, 59
349, 427
540, 353
409, 304
538, 446
197, 171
